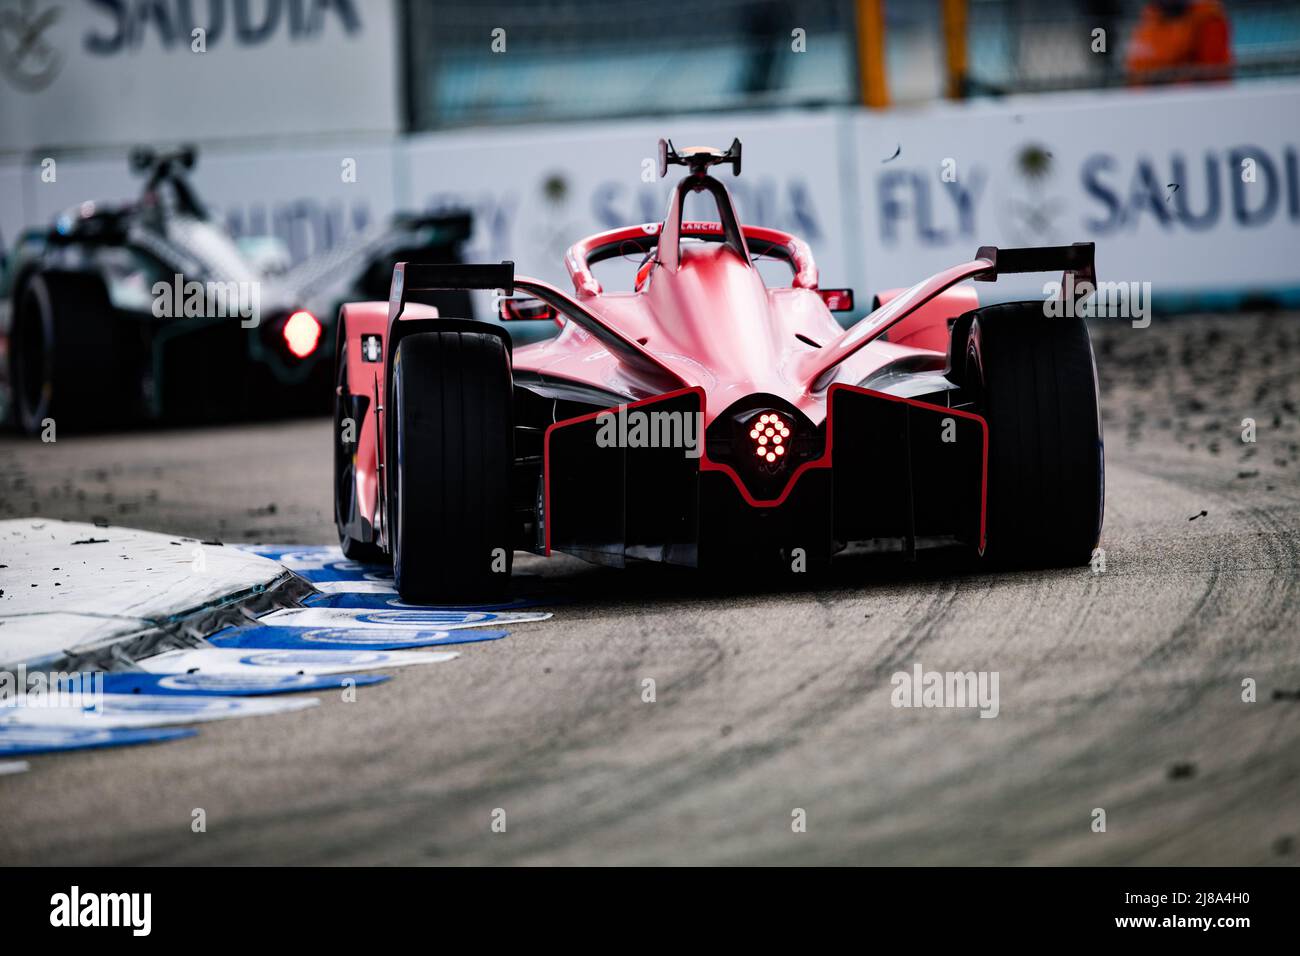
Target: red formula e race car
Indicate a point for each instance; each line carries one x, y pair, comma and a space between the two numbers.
707, 418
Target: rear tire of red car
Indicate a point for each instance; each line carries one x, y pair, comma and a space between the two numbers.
64, 363
1035, 382
345, 488
450, 463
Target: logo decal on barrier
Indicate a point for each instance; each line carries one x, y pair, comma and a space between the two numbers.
334, 635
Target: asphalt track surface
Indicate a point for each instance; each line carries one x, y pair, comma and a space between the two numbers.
1119, 690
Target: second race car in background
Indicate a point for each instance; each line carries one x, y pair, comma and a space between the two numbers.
86, 339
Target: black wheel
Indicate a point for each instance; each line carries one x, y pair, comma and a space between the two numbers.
449, 467
1034, 380
345, 484
64, 358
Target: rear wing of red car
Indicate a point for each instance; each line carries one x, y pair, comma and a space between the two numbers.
411, 277
1079, 258
818, 368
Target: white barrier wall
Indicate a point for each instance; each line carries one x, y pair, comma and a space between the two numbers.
311, 198
1192, 189
80, 73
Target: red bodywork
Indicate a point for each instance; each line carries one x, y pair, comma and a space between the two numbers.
700, 319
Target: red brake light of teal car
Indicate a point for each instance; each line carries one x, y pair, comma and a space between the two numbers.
302, 333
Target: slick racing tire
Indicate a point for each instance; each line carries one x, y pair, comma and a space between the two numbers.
450, 463
64, 357
345, 481
1035, 382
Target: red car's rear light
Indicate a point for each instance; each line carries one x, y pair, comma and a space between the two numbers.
771, 435
301, 333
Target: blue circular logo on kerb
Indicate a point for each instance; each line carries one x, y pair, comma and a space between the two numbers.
331, 635
239, 682
307, 658
433, 618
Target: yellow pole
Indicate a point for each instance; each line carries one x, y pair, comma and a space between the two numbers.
871, 53
954, 40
